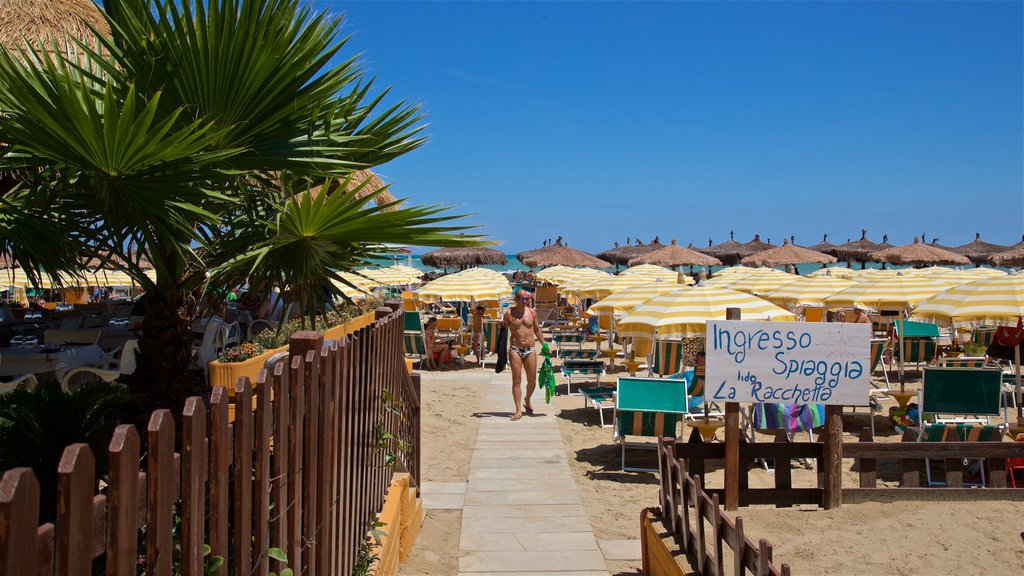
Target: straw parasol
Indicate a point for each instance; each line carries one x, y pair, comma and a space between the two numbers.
621, 255
823, 246
918, 253
675, 255
373, 183
727, 252
29, 21
979, 250
463, 257
1012, 257
856, 251
559, 253
785, 255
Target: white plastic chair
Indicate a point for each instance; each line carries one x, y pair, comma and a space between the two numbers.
125, 364
27, 380
212, 341
232, 334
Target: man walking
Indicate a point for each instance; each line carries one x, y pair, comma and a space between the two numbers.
523, 334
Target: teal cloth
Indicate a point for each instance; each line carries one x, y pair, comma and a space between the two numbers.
547, 374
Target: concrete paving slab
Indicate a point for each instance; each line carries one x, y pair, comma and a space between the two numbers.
536, 498
519, 511
444, 501
537, 444
528, 542
503, 561
521, 485
527, 524
619, 549
524, 437
573, 573
559, 472
484, 463
519, 453
443, 488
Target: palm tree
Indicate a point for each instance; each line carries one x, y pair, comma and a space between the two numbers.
215, 140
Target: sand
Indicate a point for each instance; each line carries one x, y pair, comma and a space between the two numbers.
901, 538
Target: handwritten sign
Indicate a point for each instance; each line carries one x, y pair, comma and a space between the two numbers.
788, 362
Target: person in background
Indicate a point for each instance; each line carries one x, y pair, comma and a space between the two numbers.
860, 315
476, 339
440, 351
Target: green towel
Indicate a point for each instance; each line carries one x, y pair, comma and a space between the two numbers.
547, 374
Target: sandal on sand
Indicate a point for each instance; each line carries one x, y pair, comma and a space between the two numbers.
516, 416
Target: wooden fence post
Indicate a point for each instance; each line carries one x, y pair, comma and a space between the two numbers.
123, 502
19, 515
732, 441
833, 456
194, 466
160, 501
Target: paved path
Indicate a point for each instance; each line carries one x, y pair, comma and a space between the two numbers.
521, 508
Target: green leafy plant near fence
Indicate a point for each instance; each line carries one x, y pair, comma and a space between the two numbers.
340, 315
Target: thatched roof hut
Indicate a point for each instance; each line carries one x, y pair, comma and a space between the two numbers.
727, 252
785, 255
754, 246
979, 251
918, 253
559, 254
373, 183
464, 257
35, 22
858, 250
621, 255
675, 255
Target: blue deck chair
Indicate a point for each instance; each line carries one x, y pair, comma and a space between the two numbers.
647, 407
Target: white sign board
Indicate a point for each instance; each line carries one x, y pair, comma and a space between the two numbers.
788, 362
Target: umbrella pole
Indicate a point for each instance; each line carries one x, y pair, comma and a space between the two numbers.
1016, 385
901, 326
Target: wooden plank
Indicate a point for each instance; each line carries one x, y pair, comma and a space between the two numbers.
716, 537
833, 458
860, 495
738, 548
19, 517
123, 502
311, 512
241, 501
193, 494
261, 486
76, 484
701, 545
220, 462
325, 460
160, 493
294, 509
783, 466
867, 466
763, 557
954, 472
914, 449
279, 463
345, 454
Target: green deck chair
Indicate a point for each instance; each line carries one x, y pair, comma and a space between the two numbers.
581, 369
413, 321
579, 354
563, 340
668, 358
964, 362
877, 352
648, 407
916, 350
414, 346
959, 432
599, 397
984, 336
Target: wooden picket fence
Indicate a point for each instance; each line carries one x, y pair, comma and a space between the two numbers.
304, 470
687, 507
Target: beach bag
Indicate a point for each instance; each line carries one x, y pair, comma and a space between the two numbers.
546, 377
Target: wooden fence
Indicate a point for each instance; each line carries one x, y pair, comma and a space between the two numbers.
687, 506
304, 469
866, 453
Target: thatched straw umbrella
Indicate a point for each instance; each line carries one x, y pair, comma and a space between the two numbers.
621, 255
1012, 257
34, 22
824, 246
559, 254
373, 183
785, 255
754, 246
464, 257
727, 252
858, 250
675, 255
979, 251
918, 253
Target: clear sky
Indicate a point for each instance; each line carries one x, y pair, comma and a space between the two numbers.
599, 121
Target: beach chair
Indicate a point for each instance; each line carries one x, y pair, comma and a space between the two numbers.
695, 394
647, 407
984, 336
581, 369
449, 325
415, 347
599, 397
965, 362
877, 352
567, 339
413, 322
916, 350
580, 354
961, 395
668, 358
959, 432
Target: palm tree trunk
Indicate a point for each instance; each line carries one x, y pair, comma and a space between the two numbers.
165, 372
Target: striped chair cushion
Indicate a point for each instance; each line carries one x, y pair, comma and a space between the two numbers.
916, 349
983, 336
696, 386
965, 432
668, 357
414, 344
582, 367
964, 362
877, 350
647, 424
579, 354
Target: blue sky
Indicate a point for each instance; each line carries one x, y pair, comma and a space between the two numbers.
599, 121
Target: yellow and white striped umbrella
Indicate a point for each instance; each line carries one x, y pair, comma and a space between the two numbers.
657, 273
551, 274
807, 291
628, 298
762, 282
685, 312
565, 277
741, 270
897, 292
833, 272
985, 272
987, 301
465, 287
392, 275
606, 286
874, 274
649, 269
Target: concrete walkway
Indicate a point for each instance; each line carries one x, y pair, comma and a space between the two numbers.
521, 509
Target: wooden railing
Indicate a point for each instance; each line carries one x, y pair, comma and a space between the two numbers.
687, 506
866, 453
304, 470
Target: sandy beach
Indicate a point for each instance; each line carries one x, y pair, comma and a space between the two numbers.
903, 538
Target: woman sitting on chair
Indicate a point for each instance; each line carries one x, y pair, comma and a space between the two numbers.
440, 350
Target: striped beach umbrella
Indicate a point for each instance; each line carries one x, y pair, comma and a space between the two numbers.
606, 286
762, 282
988, 301
807, 291
392, 275
898, 292
833, 272
628, 298
465, 287
685, 312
